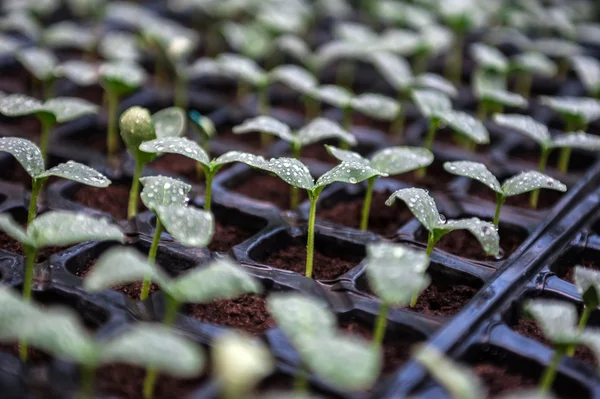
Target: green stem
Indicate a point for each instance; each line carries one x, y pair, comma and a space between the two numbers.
45, 137
346, 119
482, 110
36, 186
430, 243
397, 127
209, 175
380, 324
499, 202
535, 194
294, 191
310, 245
149, 383
454, 64
181, 94
420, 62
86, 390
312, 108
300, 382
565, 153
585, 316
364, 221
151, 258
112, 138
550, 373
135, 189
428, 143
30, 255
523, 83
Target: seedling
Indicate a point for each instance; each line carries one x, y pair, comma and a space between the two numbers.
588, 71
390, 161
167, 198
40, 63
424, 209
69, 35
49, 113
59, 332
397, 276
491, 92
559, 49
522, 183
343, 361
489, 59
251, 40
120, 46
434, 39
526, 65
82, 73
30, 158
137, 126
118, 79
240, 363
539, 133
220, 279
296, 174
587, 282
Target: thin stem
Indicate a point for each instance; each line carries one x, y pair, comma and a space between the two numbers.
397, 127
312, 108
364, 221
209, 175
346, 124
482, 110
151, 258
523, 83
380, 324
294, 191
135, 189
181, 94
30, 255
310, 245
430, 243
535, 194
112, 138
86, 389
585, 316
45, 137
149, 383
499, 202
565, 153
36, 186
550, 373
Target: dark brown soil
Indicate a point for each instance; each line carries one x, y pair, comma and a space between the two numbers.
325, 266
530, 329
383, 220
396, 351
579, 161
9, 245
27, 127
547, 199
15, 173
566, 269
444, 300
178, 164
228, 235
126, 382
500, 379
267, 188
247, 313
112, 199
436, 178
132, 290
93, 139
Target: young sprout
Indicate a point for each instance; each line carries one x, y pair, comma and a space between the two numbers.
424, 209
397, 276
49, 113
539, 133
59, 332
138, 126
82, 73
250, 40
240, 363
559, 49
526, 65
190, 149
491, 92
120, 46
296, 174
220, 279
118, 78
167, 198
30, 158
69, 35
522, 183
391, 161
40, 63
588, 71
587, 282
343, 361
434, 39
489, 59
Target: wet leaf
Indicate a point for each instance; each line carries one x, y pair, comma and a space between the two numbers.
81, 73
66, 109
579, 139
21, 22
70, 35
337, 50
290, 170
432, 81
169, 122
435, 38
13, 309
431, 103
458, 380
204, 123
265, 124
476, 171
346, 155
205, 67
162, 190
352, 172
588, 71
120, 46
251, 39
14, 105
78, 172
177, 145
136, 126
14, 229
333, 95
294, 77
486, 233
153, 345
242, 68
191, 227
535, 63
556, 47
237, 156
25, 152
587, 282
587, 109
399, 41
557, 319
122, 77
220, 279
376, 106
529, 181
320, 129
64, 228
466, 125
420, 204
39, 62
398, 160
294, 46
525, 125
489, 58
394, 69
354, 32
396, 272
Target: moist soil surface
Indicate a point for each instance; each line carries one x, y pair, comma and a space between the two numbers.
228, 235
112, 199
547, 198
267, 188
383, 220
247, 313
444, 300
500, 379
567, 271
325, 266
10, 245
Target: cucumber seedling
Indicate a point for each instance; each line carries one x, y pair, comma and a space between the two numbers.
526, 65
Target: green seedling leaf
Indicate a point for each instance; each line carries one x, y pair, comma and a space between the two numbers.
529, 181
588, 71
579, 139
242, 68
177, 145
265, 124
354, 32
290, 170
333, 95
162, 190
376, 106
169, 122
66, 109
476, 171
14, 105
399, 41
294, 77
120, 46
294, 46
251, 40
345, 362
21, 22
77, 172
492, 88
191, 227
534, 62
240, 363
485, 232
86, 8
81, 73
137, 126
25, 152
420, 204
69, 35
432, 81
237, 156
301, 317
489, 58
457, 379
587, 109
431, 103
466, 125
590, 337
39, 62
155, 346
525, 125
395, 272
14, 230
322, 129
588, 32
394, 69
557, 320
122, 77
203, 123
346, 155
587, 282
398, 160
348, 172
